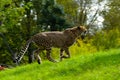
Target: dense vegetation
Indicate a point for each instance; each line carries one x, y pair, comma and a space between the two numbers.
20, 19
103, 65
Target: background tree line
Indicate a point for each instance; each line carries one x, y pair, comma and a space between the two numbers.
20, 19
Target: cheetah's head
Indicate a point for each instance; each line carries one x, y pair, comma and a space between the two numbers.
82, 31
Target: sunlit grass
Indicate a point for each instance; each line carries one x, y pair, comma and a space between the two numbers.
104, 65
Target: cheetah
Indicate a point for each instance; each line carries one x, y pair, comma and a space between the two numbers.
47, 40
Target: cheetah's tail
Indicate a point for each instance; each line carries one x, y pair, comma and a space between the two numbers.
23, 50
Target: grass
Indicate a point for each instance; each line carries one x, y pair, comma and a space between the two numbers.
103, 65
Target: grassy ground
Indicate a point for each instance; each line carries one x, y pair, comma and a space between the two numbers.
104, 65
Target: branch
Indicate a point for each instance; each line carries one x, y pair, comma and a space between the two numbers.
93, 18
9, 48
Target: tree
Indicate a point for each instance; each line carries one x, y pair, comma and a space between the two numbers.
111, 15
84, 12
71, 10
11, 15
50, 15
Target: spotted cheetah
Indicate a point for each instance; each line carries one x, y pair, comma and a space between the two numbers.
47, 40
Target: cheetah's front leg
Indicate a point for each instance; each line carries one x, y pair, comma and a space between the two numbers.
49, 56
61, 54
66, 51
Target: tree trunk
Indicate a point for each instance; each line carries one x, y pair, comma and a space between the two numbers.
9, 48
28, 29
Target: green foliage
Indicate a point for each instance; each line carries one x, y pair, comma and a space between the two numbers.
106, 40
70, 8
20, 19
51, 15
103, 65
10, 16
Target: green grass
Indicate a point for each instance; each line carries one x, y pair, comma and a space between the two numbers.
104, 65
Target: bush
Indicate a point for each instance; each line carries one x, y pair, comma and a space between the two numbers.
106, 40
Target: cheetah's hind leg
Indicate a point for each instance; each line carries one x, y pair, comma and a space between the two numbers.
36, 52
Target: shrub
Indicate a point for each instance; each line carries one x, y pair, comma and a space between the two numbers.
106, 40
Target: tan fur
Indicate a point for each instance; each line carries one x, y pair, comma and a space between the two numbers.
47, 40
